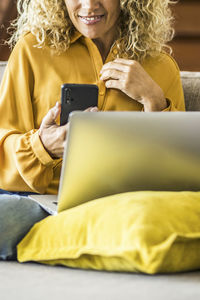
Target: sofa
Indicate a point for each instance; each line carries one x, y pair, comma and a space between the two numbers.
191, 87
34, 281
2, 68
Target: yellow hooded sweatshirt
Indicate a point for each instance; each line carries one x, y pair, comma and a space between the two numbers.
31, 86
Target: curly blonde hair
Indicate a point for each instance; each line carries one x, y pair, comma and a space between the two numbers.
144, 28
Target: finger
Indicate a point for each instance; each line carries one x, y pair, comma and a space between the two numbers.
114, 84
64, 130
52, 115
58, 109
115, 66
91, 109
64, 143
127, 62
94, 109
112, 74
88, 109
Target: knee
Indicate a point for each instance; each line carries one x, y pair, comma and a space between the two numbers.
17, 215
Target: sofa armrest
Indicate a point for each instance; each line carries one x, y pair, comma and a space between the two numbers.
2, 68
191, 87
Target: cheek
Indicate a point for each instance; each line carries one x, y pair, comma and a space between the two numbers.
114, 10
70, 6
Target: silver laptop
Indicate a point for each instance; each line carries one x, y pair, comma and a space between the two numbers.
115, 152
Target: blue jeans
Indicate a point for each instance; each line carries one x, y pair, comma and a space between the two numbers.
15, 193
17, 215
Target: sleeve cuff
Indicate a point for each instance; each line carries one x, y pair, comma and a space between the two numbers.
168, 108
169, 105
40, 151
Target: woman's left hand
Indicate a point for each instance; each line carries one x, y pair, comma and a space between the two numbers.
130, 77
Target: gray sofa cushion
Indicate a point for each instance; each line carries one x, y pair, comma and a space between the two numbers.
191, 87
2, 68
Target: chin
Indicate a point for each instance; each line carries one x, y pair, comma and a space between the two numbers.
90, 35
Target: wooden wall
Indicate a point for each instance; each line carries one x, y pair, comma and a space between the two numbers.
186, 44
8, 12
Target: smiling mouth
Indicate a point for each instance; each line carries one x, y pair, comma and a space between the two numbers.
90, 20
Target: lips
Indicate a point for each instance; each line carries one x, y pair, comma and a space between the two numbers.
90, 20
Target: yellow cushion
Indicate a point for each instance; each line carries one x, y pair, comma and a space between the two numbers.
147, 232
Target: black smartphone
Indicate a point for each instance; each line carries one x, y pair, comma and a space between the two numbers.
77, 97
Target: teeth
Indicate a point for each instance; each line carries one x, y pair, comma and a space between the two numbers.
91, 18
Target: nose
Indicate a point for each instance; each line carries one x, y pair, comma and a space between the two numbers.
90, 4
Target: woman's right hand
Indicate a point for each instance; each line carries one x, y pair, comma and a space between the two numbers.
54, 136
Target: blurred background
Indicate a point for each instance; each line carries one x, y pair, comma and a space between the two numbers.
8, 12
186, 44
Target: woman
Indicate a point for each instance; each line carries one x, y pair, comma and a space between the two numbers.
118, 45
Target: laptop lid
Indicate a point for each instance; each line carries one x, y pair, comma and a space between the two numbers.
115, 152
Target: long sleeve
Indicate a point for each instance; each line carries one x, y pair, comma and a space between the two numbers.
175, 94
165, 71
24, 163
31, 86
